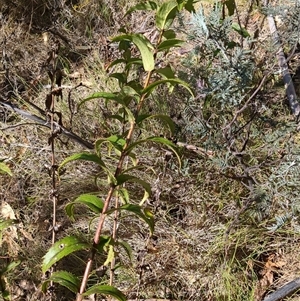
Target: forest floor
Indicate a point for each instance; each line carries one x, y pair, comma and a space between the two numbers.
211, 243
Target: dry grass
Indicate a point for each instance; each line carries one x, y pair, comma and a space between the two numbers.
191, 256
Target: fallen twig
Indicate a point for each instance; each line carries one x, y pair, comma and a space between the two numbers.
284, 291
282, 62
46, 123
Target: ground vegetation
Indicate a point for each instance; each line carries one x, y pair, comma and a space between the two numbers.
165, 129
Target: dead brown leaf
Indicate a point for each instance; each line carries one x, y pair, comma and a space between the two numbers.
269, 268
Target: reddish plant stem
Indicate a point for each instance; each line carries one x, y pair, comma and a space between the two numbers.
113, 187
108, 199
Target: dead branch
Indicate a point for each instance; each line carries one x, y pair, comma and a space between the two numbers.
46, 123
284, 291
282, 62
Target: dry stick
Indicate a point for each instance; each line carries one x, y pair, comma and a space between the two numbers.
46, 123
285, 291
54, 194
287, 79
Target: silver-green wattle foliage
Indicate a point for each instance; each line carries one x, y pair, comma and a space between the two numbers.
228, 67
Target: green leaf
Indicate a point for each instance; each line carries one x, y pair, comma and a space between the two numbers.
166, 14
167, 44
61, 249
83, 156
144, 46
241, 30
5, 169
123, 178
116, 141
115, 62
105, 240
132, 90
110, 256
123, 194
106, 290
5, 294
160, 140
105, 95
121, 77
125, 245
166, 72
170, 80
118, 117
64, 278
149, 5
231, 44
125, 47
189, 6
140, 212
166, 119
11, 266
7, 223
92, 201
230, 6
133, 61
169, 34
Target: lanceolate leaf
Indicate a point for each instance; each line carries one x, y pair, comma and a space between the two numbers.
149, 5
116, 141
121, 77
169, 34
5, 169
61, 249
164, 118
92, 201
110, 256
170, 80
83, 156
167, 44
7, 223
106, 290
241, 30
139, 211
87, 157
230, 6
105, 241
123, 178
65, 279
166, 72
142, 213
105, 95
123, 194
11, 266
189, 6
160, 140
144, 46
115, 62
132, 90
126, 247
166, 14
133, 61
